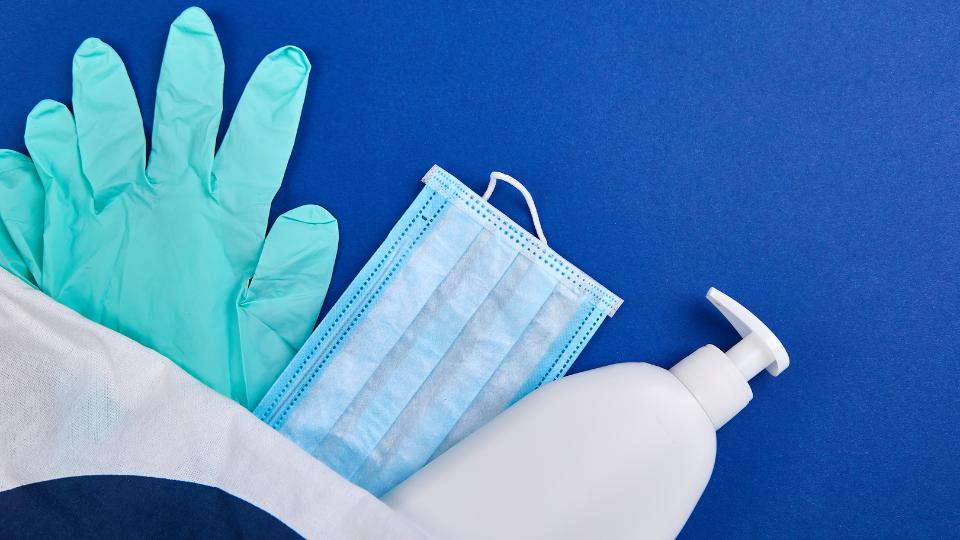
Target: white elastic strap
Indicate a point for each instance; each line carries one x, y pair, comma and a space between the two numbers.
494, 176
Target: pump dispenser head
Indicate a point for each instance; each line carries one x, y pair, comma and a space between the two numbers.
719, 380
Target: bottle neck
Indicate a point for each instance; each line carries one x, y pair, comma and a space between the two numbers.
716, 382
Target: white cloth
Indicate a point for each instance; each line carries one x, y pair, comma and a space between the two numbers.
79, 399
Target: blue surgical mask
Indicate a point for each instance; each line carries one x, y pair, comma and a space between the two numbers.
459, 313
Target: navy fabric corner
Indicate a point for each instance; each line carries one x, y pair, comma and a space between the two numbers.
131, 507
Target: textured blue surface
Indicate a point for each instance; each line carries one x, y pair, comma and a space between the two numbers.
805, 160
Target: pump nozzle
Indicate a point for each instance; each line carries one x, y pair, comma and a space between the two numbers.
719, 380
759, 348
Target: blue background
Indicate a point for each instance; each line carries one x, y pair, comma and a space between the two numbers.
803, 159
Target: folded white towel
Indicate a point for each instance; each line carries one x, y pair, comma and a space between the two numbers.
78, 399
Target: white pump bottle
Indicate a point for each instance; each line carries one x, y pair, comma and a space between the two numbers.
622, 451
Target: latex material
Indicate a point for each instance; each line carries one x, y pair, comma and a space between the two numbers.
458, 314
623, 451
21, 217
172, 253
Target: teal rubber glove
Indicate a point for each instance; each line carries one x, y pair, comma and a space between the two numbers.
173, 254
21, 217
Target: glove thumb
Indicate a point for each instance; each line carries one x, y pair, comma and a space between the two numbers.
279, 309
21, 217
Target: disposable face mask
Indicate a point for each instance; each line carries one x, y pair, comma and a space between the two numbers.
459, 313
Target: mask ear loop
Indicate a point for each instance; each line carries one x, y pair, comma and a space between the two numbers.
494, 176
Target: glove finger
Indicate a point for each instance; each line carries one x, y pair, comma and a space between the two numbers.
21, 217
249, 167
279, 309
51, 138
109, 126
189, 100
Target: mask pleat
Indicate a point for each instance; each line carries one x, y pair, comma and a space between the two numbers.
459, 313
382, 327
461, 374
376, 274
522, 360
410, 362
577, 332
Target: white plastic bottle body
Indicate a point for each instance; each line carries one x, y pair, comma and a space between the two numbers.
622, 451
